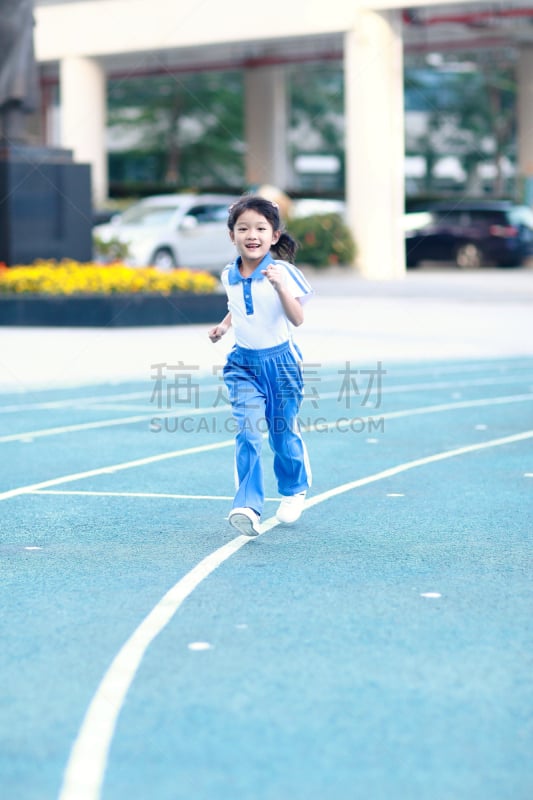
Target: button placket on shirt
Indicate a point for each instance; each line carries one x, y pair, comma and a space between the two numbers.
247, 294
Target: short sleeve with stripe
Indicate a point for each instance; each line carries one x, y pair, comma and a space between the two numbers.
258, 318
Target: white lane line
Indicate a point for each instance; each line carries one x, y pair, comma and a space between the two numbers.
85, 769
86, 766
69, 402
419, 462
419, 387
432, 369
451, 384
31, 488
406, 412
205, 410
139, 462
145, 407
105, 423
81, 426
159, 495
435, 368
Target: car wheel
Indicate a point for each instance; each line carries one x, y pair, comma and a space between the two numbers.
469, 256
163, 259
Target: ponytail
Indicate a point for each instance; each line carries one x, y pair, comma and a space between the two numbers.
285, 248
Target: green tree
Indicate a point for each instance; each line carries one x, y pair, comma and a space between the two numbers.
317, 110
194, 120
470, 107
487, 110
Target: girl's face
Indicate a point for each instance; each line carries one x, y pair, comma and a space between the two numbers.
253, 236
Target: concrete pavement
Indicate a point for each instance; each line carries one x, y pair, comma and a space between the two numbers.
431, 314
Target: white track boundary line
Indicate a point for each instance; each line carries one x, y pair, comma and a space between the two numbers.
158, 414
73, 402
139, 462
85, 769
109, 423
461, 404
157, 495
79, 426
500, 365
388, 390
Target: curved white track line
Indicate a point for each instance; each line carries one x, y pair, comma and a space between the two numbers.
499, 365
158, 413
71, 402
139, 462
108, 423
85, 770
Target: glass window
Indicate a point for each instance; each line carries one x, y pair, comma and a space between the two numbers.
449, 216
209, 213
148, 215
488, 216
521, 215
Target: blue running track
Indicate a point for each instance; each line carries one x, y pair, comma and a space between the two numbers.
380, 649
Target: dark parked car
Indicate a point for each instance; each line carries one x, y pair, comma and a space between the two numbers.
470, 234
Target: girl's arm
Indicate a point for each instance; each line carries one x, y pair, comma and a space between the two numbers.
291, 305
219, 330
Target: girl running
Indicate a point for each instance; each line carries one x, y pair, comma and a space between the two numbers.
263, 371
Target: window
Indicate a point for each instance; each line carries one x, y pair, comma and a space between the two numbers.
148, 215
521, 215
209, 213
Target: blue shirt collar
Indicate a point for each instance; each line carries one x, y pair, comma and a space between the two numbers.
234, 276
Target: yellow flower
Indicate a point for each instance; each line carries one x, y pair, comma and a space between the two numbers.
69, 277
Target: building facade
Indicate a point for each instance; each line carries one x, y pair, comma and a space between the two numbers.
82, 42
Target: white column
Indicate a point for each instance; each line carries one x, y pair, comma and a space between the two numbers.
373, 58
525, 120
83, 118
266, 126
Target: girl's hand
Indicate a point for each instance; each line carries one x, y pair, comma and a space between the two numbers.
216, 333
274, 274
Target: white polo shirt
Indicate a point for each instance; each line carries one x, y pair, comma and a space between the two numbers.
257, 315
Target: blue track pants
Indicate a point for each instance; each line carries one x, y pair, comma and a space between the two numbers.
266, 390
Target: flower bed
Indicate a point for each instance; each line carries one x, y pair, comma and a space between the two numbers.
72, 278
73, 294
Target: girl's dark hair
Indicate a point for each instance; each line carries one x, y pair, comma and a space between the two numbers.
285, 248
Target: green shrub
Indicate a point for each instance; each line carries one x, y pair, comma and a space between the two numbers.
109, 251
324, 240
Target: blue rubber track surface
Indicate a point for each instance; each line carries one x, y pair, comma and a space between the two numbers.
380, 648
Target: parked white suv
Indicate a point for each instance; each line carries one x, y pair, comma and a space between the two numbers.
173, 230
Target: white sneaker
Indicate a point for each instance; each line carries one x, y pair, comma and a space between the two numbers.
245, 520
290, 509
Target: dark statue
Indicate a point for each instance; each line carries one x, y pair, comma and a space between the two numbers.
19, 85
45, 197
